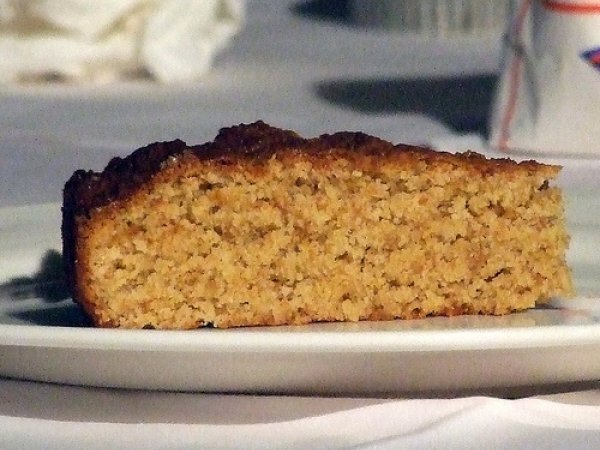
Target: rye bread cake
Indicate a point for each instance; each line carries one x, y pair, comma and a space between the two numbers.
263, 227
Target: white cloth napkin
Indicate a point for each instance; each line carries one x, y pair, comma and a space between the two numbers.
90, 40
36, 416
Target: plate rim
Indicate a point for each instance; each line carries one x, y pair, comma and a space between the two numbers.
307, 340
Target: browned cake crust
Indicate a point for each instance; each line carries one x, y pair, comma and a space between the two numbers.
262, 154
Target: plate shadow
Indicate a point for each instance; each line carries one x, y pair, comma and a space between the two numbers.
337, 11
48, 283
47, 286
463, 103
67, 315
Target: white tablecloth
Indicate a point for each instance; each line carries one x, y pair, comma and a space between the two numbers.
314, 76
59, 417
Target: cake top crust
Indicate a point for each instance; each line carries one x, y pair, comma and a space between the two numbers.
254, 143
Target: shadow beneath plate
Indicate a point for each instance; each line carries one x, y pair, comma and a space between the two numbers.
566, 390
462, 102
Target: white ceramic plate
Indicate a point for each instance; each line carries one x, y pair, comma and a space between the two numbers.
44, 337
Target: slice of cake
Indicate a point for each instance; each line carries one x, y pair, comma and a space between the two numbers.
263, 227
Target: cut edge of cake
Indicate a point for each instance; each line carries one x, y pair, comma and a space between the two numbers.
355, 163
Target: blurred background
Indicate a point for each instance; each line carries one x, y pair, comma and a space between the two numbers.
420, 72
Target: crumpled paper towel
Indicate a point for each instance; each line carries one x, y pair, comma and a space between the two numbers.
548, 99
100, 41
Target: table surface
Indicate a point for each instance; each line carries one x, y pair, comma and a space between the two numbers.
294, 66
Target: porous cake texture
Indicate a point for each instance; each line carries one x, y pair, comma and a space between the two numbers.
263, 227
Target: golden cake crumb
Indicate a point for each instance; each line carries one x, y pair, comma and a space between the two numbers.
263, 227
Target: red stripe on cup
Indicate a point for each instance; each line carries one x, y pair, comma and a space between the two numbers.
572, 7
515, 78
